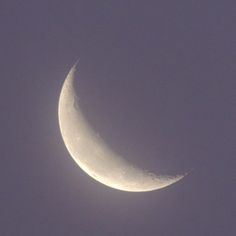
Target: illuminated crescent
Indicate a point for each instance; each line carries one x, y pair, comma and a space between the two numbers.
94, 156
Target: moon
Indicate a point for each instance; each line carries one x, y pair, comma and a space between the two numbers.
93, 155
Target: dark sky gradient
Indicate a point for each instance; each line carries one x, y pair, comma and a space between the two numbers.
156, 79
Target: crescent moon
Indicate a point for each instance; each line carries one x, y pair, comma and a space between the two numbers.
94, 156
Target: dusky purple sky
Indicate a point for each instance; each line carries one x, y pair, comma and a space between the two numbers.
156, 80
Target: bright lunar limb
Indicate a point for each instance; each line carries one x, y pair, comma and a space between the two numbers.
93, 155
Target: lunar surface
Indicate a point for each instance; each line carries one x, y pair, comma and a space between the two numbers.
93, 155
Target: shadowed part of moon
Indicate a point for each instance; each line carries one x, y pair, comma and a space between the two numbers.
93, 155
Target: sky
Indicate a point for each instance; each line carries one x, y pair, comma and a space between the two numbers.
156, 80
